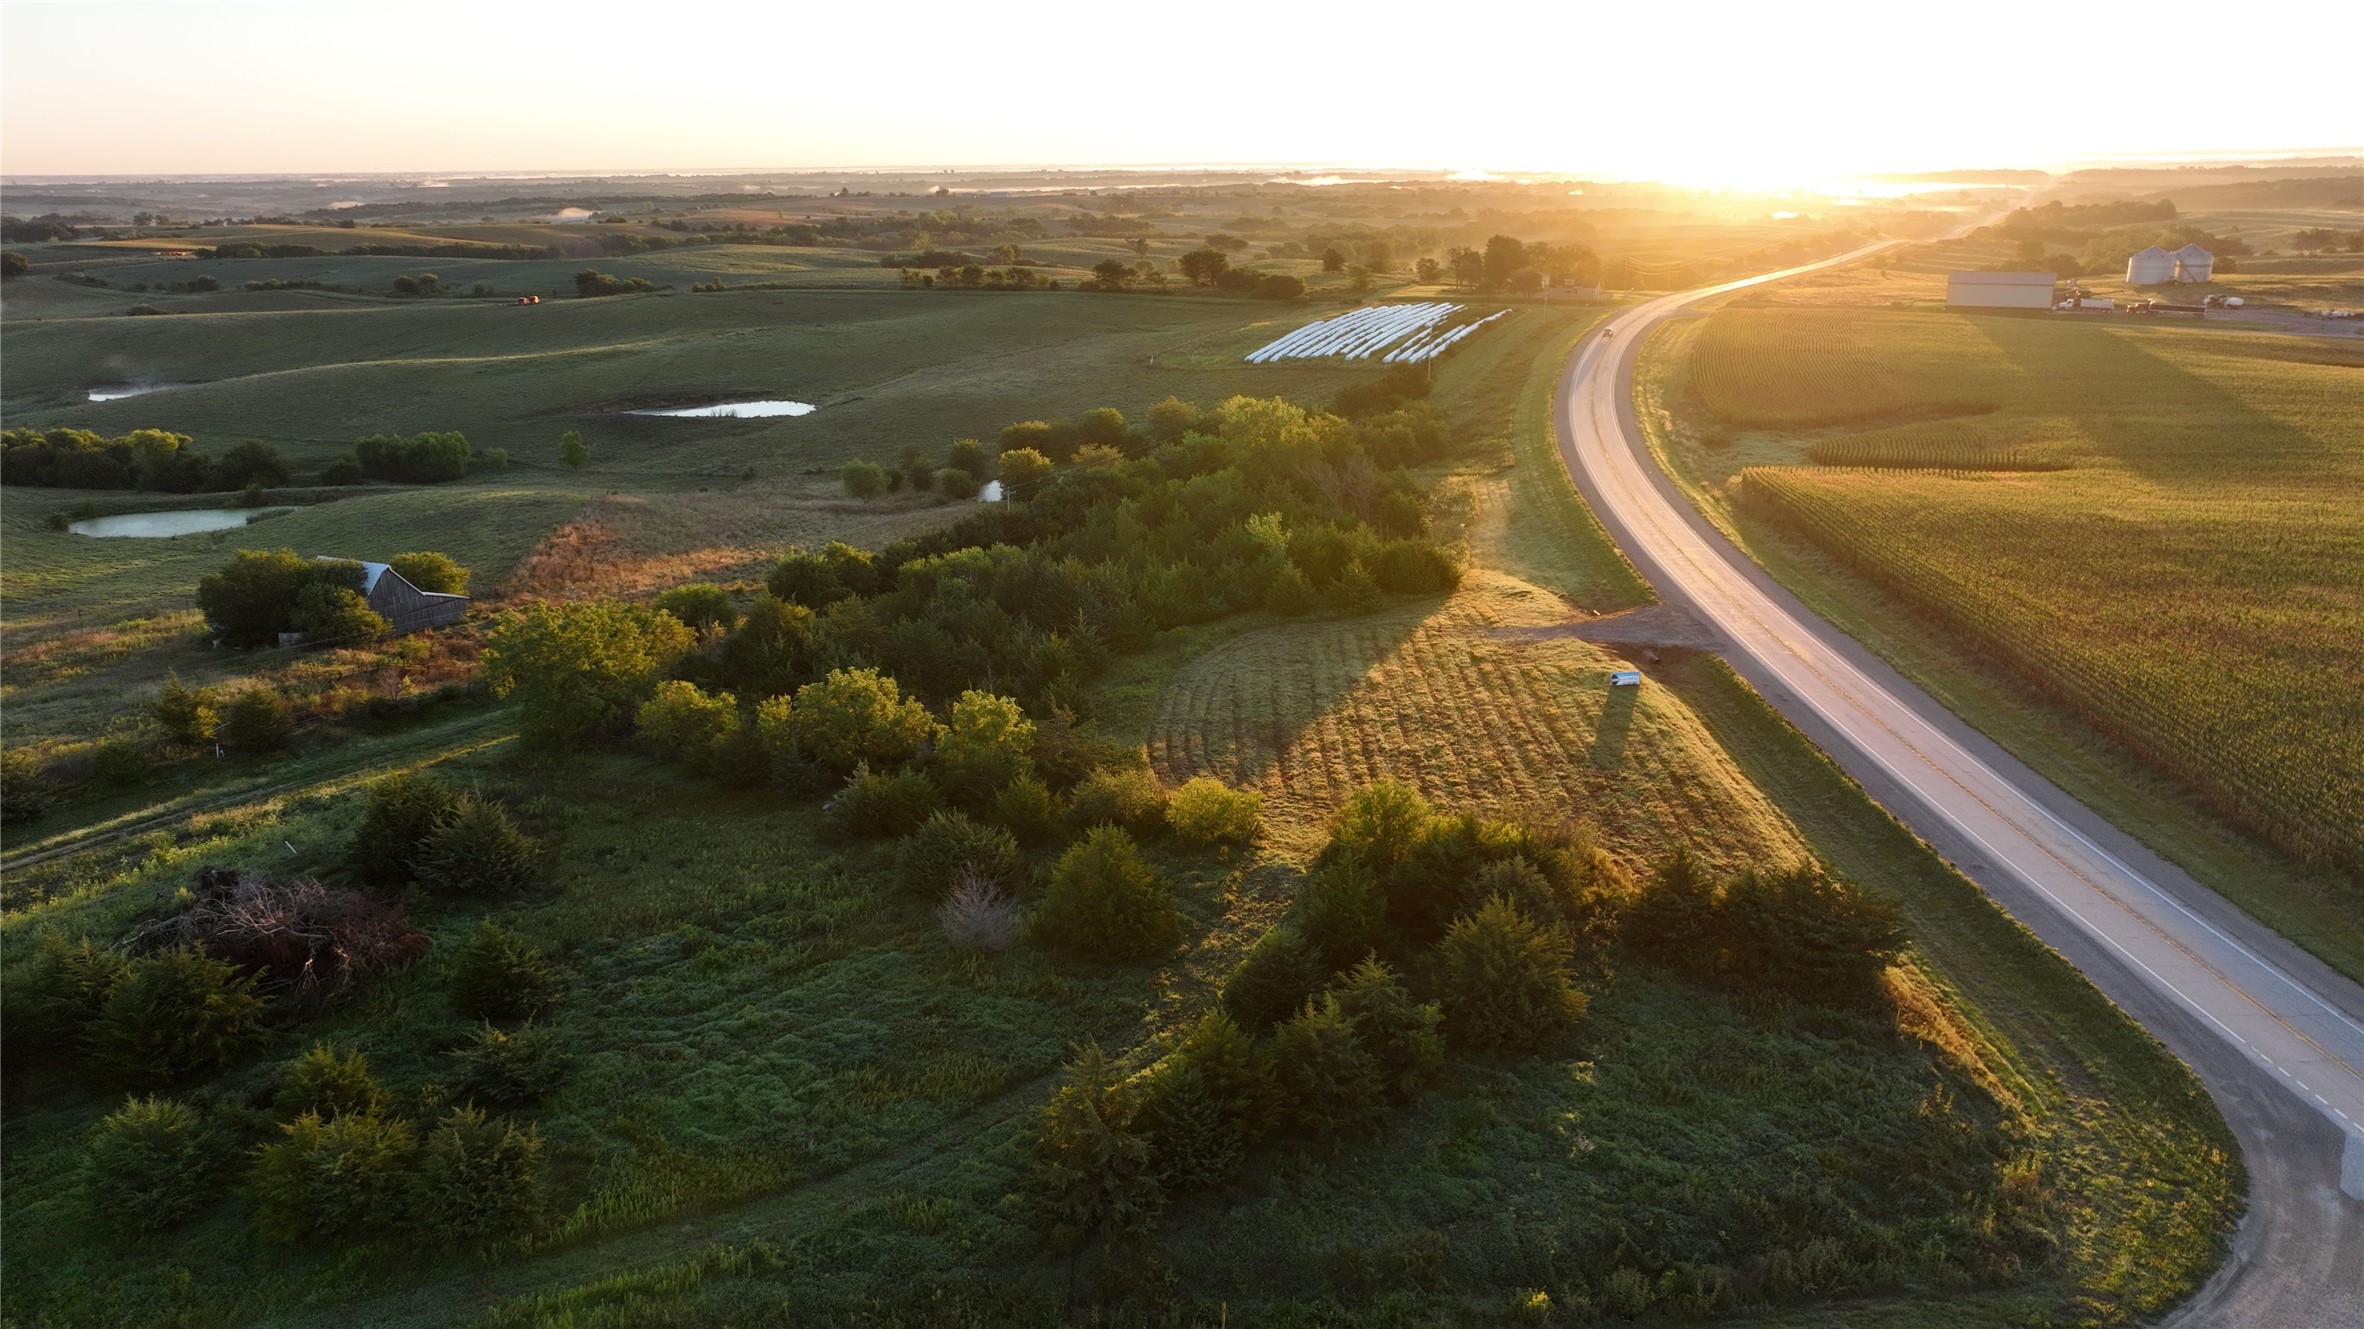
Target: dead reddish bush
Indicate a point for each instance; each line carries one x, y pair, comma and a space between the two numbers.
301, 939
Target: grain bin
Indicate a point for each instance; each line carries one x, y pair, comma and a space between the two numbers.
2193, 263
2151, 267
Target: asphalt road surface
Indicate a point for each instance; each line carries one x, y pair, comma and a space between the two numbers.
2276, 1036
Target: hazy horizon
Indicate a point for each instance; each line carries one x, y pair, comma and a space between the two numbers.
1698, 94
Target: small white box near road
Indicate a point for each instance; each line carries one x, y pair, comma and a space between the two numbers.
1625, 678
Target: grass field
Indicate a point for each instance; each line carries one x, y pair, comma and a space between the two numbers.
2151, 526
791, 1096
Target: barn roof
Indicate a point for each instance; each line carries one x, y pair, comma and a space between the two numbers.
2193, 251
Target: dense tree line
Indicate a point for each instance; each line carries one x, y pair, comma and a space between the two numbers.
427, 458
150, 459
1127, 532
593, 282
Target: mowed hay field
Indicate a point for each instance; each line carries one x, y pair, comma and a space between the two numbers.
1470, 704
2159, 526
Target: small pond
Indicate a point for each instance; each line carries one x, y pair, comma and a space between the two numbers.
735, 410
118, 391
154, 525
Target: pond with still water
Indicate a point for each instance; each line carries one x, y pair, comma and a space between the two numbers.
735, 410
153, 525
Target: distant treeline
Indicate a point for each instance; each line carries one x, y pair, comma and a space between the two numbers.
151, 459
2073, 222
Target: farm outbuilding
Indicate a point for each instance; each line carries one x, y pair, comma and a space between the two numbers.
405, 607
2150, 267
2193, 263
1999, 290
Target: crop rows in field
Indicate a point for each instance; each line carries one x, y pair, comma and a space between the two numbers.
2240, 679
1309, 712
1749, 369
1408, 334
1938, 445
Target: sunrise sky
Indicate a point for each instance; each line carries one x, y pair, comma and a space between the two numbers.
1699, 93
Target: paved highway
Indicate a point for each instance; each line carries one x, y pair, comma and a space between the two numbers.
2277, 1037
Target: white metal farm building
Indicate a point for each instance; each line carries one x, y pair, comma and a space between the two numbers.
2193, 263
1999, 290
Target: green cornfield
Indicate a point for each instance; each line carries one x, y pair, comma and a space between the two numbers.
2191, 580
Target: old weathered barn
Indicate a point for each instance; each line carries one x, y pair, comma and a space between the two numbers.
405, 607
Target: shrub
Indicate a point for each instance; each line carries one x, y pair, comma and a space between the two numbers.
1342, 911
950, 845
850, 717
1238, 1071
1504, 981
1355, 592
1170, 419
772, 650
863, 479
1021, 466
121, 763
817, 580
1190, 1142
1415, 567
148, 1165
983, 746
701, 606
1280, 286
879, 806
479, 851
1125, 796
957, 483
1672, 918
498, 975
1330, 1081
1380, 824
1205, 810
1091, 1162
1103, 900
969, 457
572, 450
187, 715
341, 472
1290, 595
327, 1083
256, 720
976, 916
403, 811
1274, 980
173, 1016
336, 1177
253, 598
1026, 809
511, 1067
1803, 933
581, 669
428, 458
430, 571
686, 724
24, 795
335, 616
1400, 1033
478, 1183
64, 990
